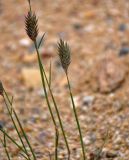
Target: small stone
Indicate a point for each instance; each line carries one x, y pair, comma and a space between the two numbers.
89, 28
110, 73
118, 105
41, 93
24, 42
1, 125
124, 51
28, 58
77, 26
86, 140
88, 100
90, 14
111, 155
122, 27
31, 77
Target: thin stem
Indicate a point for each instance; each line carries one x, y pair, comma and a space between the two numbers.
41, 40
15, 126
10, 138
5, 147
44, 86
76, 117
56, 143
13, 141
58, 114
50, 74
103, 144
20, 125
55, 105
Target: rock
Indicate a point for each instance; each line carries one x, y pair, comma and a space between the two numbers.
124, 51
77, 26
1, 125
90, 14
28, 58
88, 100
111, 155
110, 73
24, 42
31, 77
41, 93
114, 12
122, 27
89, 28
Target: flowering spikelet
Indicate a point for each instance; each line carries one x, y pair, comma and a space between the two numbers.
1, 88
64, 54
31, 25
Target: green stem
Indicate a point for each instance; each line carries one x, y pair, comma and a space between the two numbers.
55, 105
15, 126
5, 148
44, 86
58, 114
76, 117
20, 125
56, 143
11, 139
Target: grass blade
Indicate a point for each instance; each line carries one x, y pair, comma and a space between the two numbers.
76, 118
50, 74
44, 77
5, 147
10, 108
56, 143
41, 40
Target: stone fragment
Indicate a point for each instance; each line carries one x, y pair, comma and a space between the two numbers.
31, 77
1, 125
28, 58
124, 51
90, 14
24, 42
111, 154
122, 27
110, 73
88, 100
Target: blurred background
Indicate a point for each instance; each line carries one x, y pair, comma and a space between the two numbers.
97, 32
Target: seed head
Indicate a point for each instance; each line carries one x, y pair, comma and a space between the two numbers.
1, 89
64, 54
31, 25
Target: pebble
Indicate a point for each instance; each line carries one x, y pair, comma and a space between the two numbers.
29, 58
124, 51
77, 26
88, 100
24, 42
31, 77
122, 27
41, 93
111, 155
1, 124
108, 79
89, 28
90, 14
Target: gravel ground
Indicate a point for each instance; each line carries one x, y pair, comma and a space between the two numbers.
98, 34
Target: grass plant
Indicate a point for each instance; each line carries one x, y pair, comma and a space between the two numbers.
64, 52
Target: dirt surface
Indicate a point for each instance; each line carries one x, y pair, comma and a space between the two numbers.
98, 34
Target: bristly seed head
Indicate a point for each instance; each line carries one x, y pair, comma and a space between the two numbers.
64, 54
31, 25
1, 89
